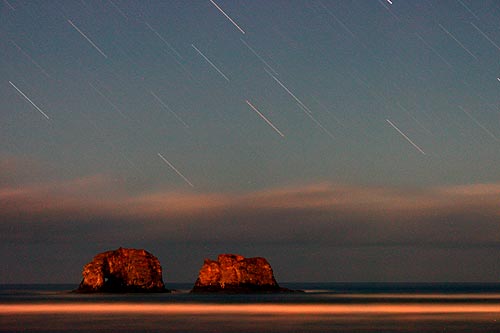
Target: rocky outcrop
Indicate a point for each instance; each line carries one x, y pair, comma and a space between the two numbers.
233, 273
123, 271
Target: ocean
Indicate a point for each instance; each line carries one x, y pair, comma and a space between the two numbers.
323, 307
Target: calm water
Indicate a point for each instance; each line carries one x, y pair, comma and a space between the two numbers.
325, 307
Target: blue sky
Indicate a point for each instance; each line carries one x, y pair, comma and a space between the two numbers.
389, 115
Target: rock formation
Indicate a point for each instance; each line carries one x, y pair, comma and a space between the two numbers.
233, 273
123, 271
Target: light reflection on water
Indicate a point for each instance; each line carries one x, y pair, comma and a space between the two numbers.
249, 309
153, 317
388, 308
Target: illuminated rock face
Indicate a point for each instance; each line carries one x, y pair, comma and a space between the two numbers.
122, 271
233, 273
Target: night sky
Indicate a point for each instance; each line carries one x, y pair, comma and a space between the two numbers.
342, 140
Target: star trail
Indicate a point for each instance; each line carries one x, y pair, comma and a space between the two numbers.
326, 127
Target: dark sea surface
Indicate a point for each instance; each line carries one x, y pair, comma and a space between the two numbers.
324, 307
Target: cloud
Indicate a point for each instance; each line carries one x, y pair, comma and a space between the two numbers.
352, 232
334, 214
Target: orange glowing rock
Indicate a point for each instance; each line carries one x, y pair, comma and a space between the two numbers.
123, 270
233, 273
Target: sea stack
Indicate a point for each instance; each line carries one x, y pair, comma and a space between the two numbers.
123, 271
232, 273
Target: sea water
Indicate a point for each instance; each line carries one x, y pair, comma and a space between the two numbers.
323, 307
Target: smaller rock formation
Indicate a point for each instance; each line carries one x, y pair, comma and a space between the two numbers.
123, 271
233, 273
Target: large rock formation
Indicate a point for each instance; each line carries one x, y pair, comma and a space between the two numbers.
123, 271
233, 273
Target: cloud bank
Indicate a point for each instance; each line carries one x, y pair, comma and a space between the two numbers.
342, 215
